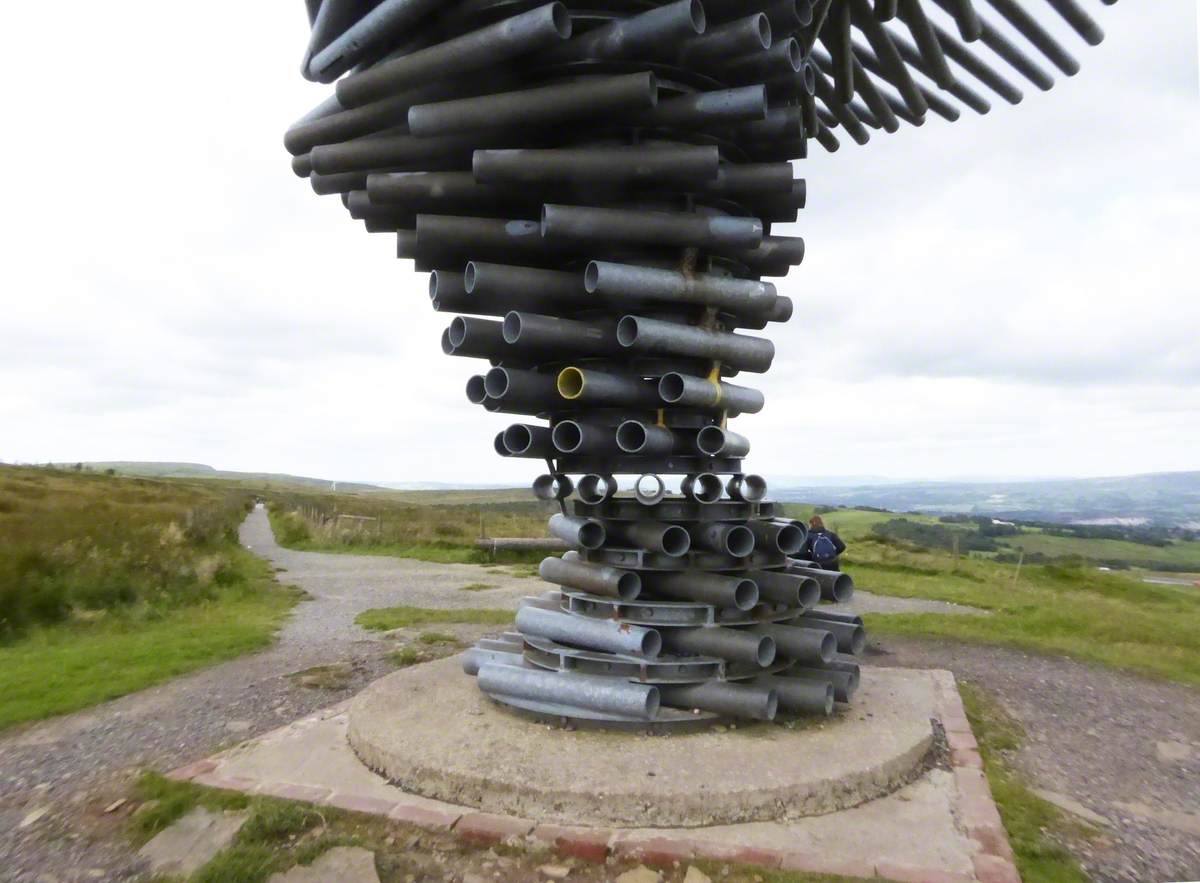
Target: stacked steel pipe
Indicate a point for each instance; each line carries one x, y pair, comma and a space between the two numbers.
592, 187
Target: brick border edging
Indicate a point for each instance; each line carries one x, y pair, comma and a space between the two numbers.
975, 809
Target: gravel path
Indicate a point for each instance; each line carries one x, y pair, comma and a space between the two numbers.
1121, 749
71, 767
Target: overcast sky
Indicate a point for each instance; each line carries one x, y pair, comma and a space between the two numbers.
1010, 295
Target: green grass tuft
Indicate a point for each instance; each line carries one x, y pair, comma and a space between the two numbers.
388, 618
436, 638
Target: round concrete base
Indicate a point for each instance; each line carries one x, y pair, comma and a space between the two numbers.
431, 731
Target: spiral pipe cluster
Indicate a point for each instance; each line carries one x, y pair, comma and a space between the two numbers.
592, 188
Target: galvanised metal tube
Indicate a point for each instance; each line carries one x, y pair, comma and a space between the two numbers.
727, 539
452, 235
835, 585
499, 280
774, 251
574, 437
797, 696
519, 388
474, 658
645, 33
738, 37
552, 334
707, 110
654, 536
486, 47
598, 579
808, 645
552, 105
749, 701
597, 634
645, 439
850, 618
386, 22
594, 488
583, 533
710, 588
476, 338
701, 392
525, 440
750, 488
717, 442
663, 167
735, 645
844, 683
788, 589
785, 538
583, 386
702, 488
643, 227
655, 336
630, 282
592, 692
851, 638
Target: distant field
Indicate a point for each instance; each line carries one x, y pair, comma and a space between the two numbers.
109, 584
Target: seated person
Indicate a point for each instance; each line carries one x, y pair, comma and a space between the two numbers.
823, 546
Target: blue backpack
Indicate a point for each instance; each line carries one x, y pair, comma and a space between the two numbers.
823, 548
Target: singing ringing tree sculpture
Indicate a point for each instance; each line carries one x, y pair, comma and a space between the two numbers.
592, 185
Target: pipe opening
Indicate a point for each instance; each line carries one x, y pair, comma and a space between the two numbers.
512, 327
764, 30
570, 383
652, 703
567, 436
772, 705
810, 78
552, 487
627, 331
711, 440
545, 216
651, 643
790, 539
631, 436
739, 542
591, 277
595, 489
592, 535
766, 651
810, 593
561, 19
745, 594
498, 444
649, 489
496, 382
843, 588
476, 389
469, 277
707, 488
699, 21
828, 647
629, 586
794, 55
518, 439
458, 331
828, 699
670, 387
675, 540
433, 284
447, 346
858, 640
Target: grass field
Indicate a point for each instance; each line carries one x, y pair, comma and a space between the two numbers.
111, 584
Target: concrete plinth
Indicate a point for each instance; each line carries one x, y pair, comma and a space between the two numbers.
431, 731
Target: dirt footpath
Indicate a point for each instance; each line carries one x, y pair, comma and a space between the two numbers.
1121, 750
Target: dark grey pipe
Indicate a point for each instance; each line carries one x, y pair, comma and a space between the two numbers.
391, 150
663, 167
530, 331
783, 59
598, 579
646, 32
583, 386
713, 441
525, 440
447, 292
386, 23
844, 683
735, 540
443, 236
530, 391
654, 536
738, 37
752, 702
446, 193
778, 537
582, 533
835, 585
701, 392
707, 110
754, 180
498, 444
344, 182
655, 336
735, 645
498, 280
807, 645
595, 489
484, 48
591, 98
851, 638
709, 588
611, 226
1026, 25
702, 488
477, 338
552, 487
750, 488
797, 696
645, 439
629, 282
822, 613
788, 589
476, 391
573, 437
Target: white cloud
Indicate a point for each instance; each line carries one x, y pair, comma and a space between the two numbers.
1008, 294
